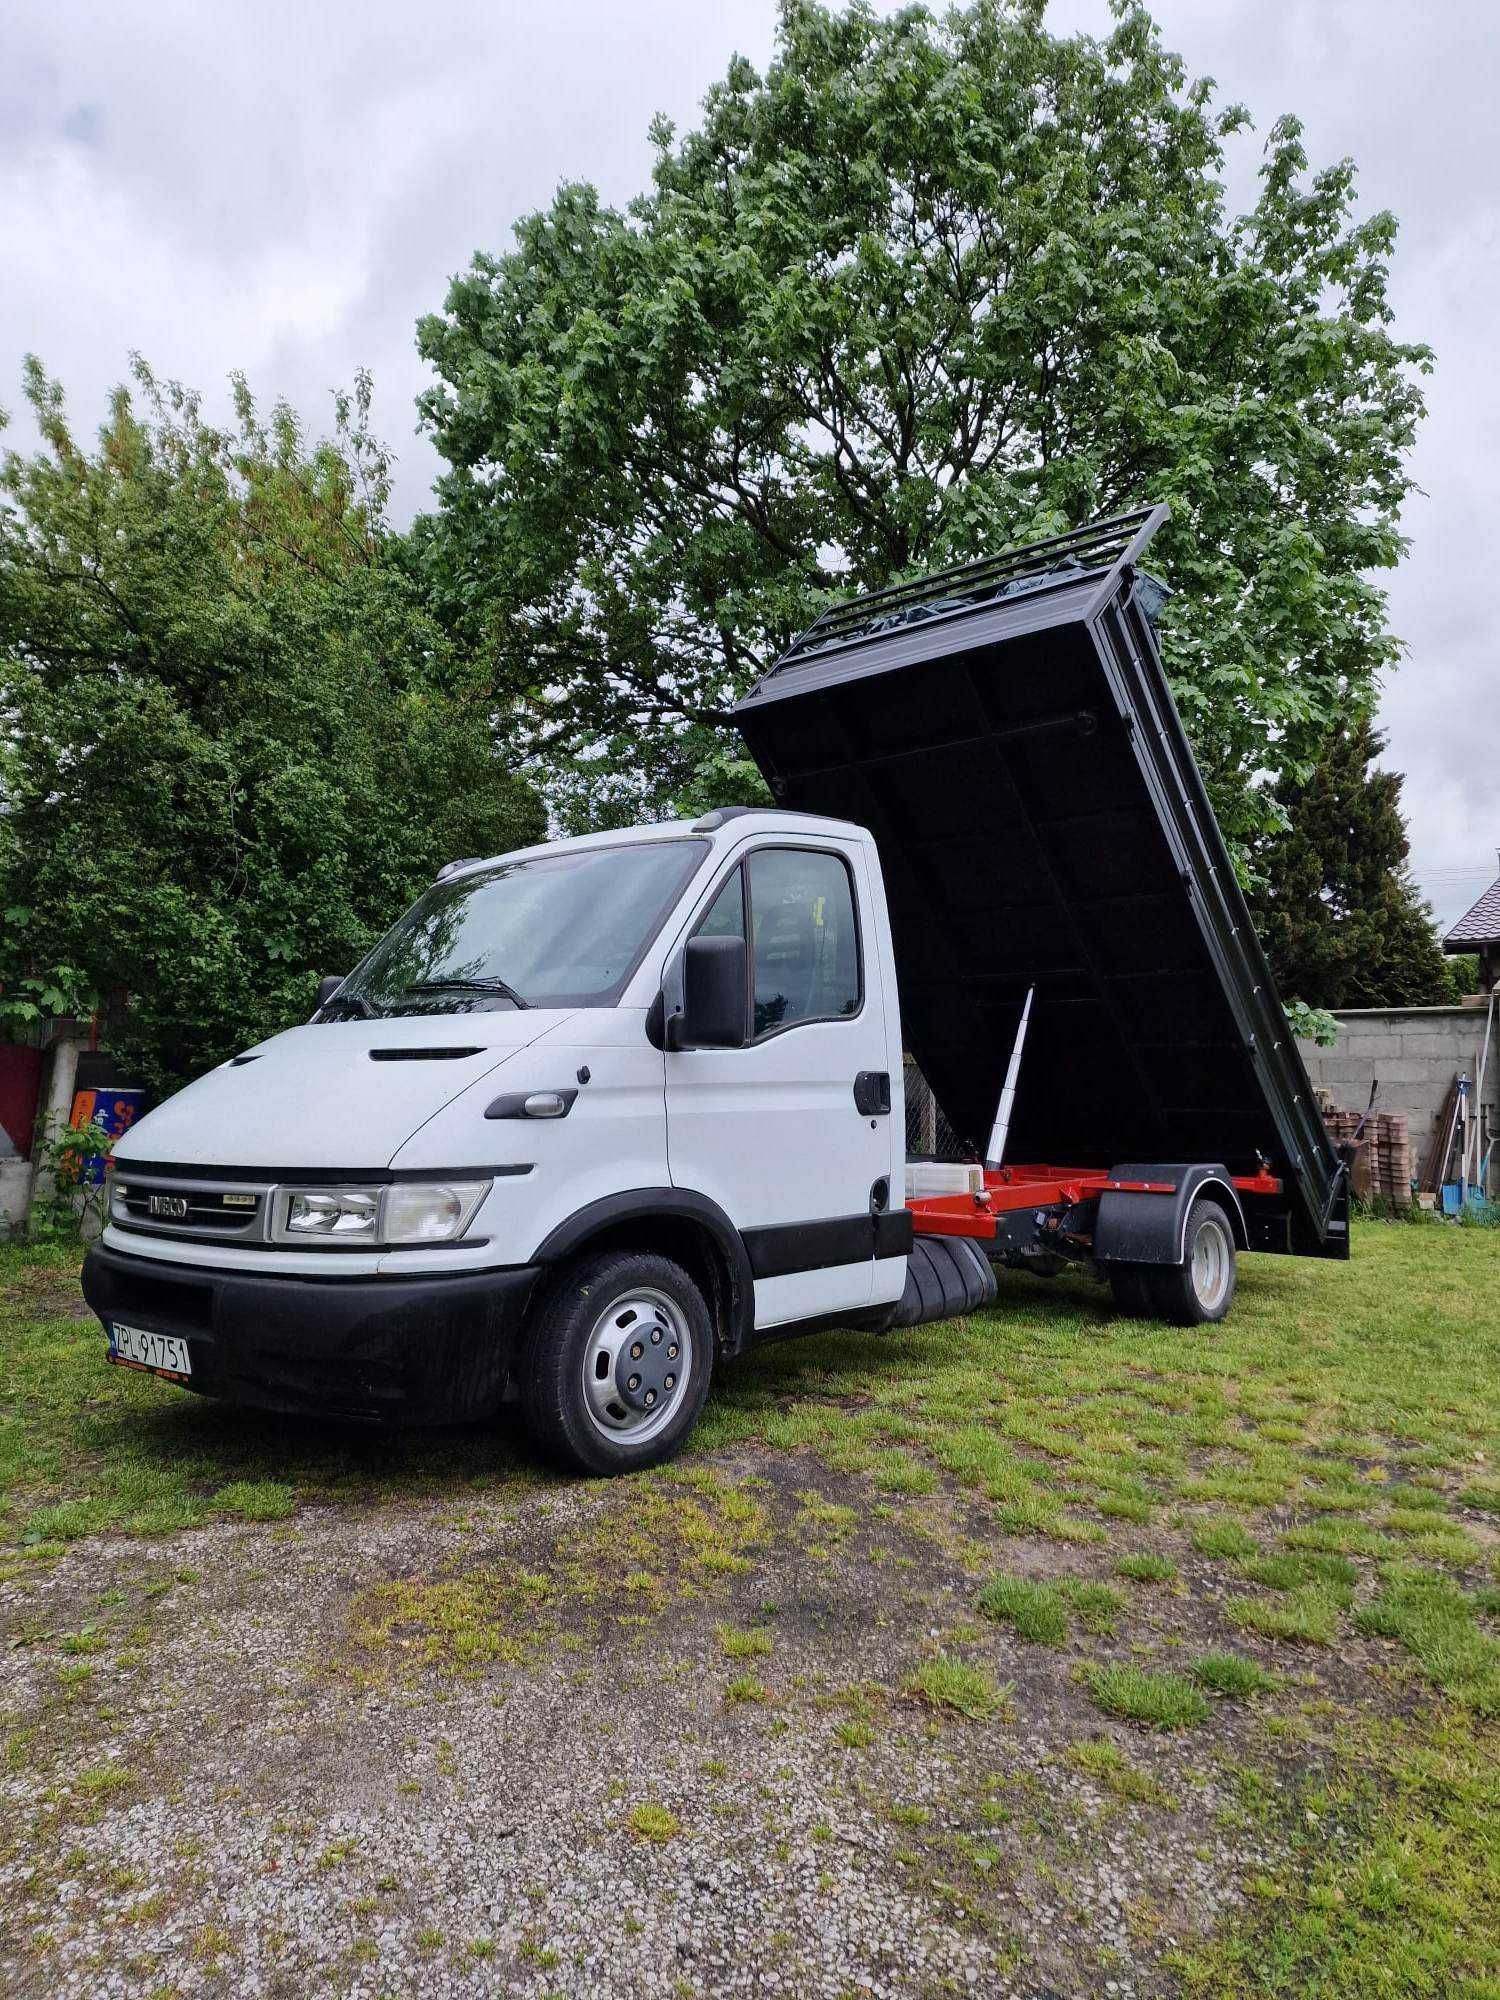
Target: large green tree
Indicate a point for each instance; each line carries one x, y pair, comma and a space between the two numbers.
926, 287
233, 743
1340, 917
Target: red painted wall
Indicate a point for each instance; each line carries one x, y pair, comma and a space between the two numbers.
20, 1090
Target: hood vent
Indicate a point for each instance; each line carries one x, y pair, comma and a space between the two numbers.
423, 1055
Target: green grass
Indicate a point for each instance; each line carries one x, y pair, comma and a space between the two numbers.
953, 1686
1307, 1616
899, 1472
1231, 1675
1097, 1605
256, 1500
1154, 1700
1405, 1901
1221, 1535
1146, 1568
736, 1643
1041, 1612
1289, 1570
1436, 1623
746, 1688
1034, 1611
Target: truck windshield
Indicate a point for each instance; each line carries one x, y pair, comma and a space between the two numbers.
557, 930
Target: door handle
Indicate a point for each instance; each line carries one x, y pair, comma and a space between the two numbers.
872, 1093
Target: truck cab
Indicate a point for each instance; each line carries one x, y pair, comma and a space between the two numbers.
591, 1116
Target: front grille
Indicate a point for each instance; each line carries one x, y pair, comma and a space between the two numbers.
189, 1207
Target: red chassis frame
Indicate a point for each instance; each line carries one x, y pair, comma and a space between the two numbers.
1009, 1188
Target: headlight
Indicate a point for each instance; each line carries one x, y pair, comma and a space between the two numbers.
406, 1212
340, 1212
430, 1211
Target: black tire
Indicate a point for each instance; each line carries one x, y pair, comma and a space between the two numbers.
565, 1397
1200, 1290
1128, 1283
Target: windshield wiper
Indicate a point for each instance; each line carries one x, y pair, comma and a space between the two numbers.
506, 992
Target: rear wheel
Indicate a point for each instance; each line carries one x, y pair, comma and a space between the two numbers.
1197, 1292
1128, 1283
618, 1365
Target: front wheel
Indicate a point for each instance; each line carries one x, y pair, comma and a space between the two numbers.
618, 1365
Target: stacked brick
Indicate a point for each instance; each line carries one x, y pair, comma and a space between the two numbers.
1382, 1164
1390, 1157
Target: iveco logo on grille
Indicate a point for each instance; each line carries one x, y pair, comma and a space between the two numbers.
169, 1207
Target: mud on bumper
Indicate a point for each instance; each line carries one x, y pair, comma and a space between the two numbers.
412, 1351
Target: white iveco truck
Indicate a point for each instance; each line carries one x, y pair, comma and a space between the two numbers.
597, 1115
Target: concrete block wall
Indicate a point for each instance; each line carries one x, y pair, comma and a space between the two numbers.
15, 1194
1415, 1052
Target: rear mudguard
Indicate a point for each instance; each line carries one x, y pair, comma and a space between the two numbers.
946, 1276
1144, 1221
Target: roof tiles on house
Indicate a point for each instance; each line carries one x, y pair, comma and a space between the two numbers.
1481, 925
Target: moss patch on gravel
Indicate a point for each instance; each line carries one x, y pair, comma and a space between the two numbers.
1107, 1766
647, 1543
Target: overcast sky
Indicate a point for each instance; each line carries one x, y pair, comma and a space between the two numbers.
283, 187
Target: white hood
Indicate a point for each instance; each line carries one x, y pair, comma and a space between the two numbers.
322, 1096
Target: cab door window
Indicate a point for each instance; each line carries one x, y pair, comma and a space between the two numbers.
805, 961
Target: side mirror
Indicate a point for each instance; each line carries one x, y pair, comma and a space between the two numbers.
328, 987
715, 1011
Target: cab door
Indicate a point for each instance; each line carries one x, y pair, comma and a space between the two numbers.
792, 1134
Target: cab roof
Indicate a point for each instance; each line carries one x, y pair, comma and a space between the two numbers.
730, 822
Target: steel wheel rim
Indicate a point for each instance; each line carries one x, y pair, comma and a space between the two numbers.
648, 1319
1211, 1265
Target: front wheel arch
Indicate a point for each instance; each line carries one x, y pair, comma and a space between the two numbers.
676, 1223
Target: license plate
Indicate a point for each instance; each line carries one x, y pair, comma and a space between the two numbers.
162, 1353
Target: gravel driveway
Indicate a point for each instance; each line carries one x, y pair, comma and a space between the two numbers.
660, 1737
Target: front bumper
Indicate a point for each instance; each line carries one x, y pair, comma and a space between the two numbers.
416, 1351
